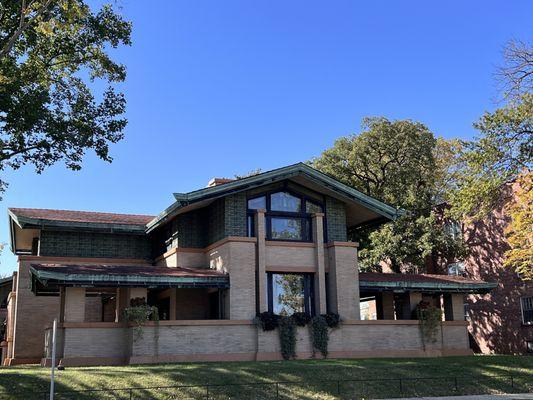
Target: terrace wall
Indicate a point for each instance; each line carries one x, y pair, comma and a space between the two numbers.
182, 341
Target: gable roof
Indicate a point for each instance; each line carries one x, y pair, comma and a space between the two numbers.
310, 174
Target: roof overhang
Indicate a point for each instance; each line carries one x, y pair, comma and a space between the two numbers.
300, 173
423, 283
47, 277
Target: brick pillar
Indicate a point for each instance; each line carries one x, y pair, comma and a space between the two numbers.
74, 304
320, 276
344, 280
173, 304
454, 307
138, 292
387, 303
260, 234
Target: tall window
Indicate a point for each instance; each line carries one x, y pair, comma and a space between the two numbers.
290, 293
527, 310
288, 215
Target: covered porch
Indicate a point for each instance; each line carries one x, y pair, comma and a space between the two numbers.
396, 296
101, 293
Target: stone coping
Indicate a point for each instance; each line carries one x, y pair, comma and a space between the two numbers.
230, 322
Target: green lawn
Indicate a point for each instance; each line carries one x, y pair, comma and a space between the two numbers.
315, 379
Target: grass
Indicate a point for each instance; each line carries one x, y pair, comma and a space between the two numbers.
312, 379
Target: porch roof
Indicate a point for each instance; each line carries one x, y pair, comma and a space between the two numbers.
371, 281
98, 275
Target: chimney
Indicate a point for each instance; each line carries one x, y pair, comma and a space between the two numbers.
218, 181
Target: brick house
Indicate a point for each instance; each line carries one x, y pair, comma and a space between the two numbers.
500, 322
210, 263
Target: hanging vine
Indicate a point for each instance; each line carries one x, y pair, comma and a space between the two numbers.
287, 337
319, 335
139, 312
429, 320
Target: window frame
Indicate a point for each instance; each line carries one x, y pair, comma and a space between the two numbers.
309, 290
523, 310
269, 214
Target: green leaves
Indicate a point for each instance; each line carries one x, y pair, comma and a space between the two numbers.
50, 110
403, 164
503, 150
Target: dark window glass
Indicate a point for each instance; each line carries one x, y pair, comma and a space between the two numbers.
290, 293
527, 310
250, 226
312, 208
288, 228
283, 201
257, 203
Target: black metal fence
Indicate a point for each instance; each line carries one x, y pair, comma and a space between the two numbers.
327, 389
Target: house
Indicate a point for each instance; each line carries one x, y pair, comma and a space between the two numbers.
212, 261
500, 322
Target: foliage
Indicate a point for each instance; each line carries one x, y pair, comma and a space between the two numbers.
502, 152
319, 335
400, 163
301, 318
51, 108
139, 312
268, 320
429, 320
519, 232
287, 337
333, 320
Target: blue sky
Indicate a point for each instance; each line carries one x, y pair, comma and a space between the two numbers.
216, 88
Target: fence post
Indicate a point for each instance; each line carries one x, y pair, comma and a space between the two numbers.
456, 386
206, 392
401, 386
131, 394
277, 390
338, 387
512, 382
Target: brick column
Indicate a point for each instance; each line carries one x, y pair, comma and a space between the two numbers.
138, 292
387, 303
173, 304
344, 280
320, 276
74, 304
260, 234
454, 307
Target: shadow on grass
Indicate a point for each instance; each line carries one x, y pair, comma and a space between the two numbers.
309, 379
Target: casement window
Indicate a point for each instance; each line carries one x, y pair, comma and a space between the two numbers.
290, 293
288, 215
457, 268
527, 310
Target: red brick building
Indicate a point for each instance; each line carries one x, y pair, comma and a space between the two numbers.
502, 321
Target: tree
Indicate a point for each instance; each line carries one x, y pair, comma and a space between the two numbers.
516, 75
519, 232
504, 147
51, 54
400, 163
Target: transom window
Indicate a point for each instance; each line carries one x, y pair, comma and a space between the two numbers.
288, 215
290, 293
527, 310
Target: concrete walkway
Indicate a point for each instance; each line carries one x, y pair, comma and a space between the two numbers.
522, 396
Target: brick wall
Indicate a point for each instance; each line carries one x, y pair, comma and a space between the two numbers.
93, 245
335, 220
